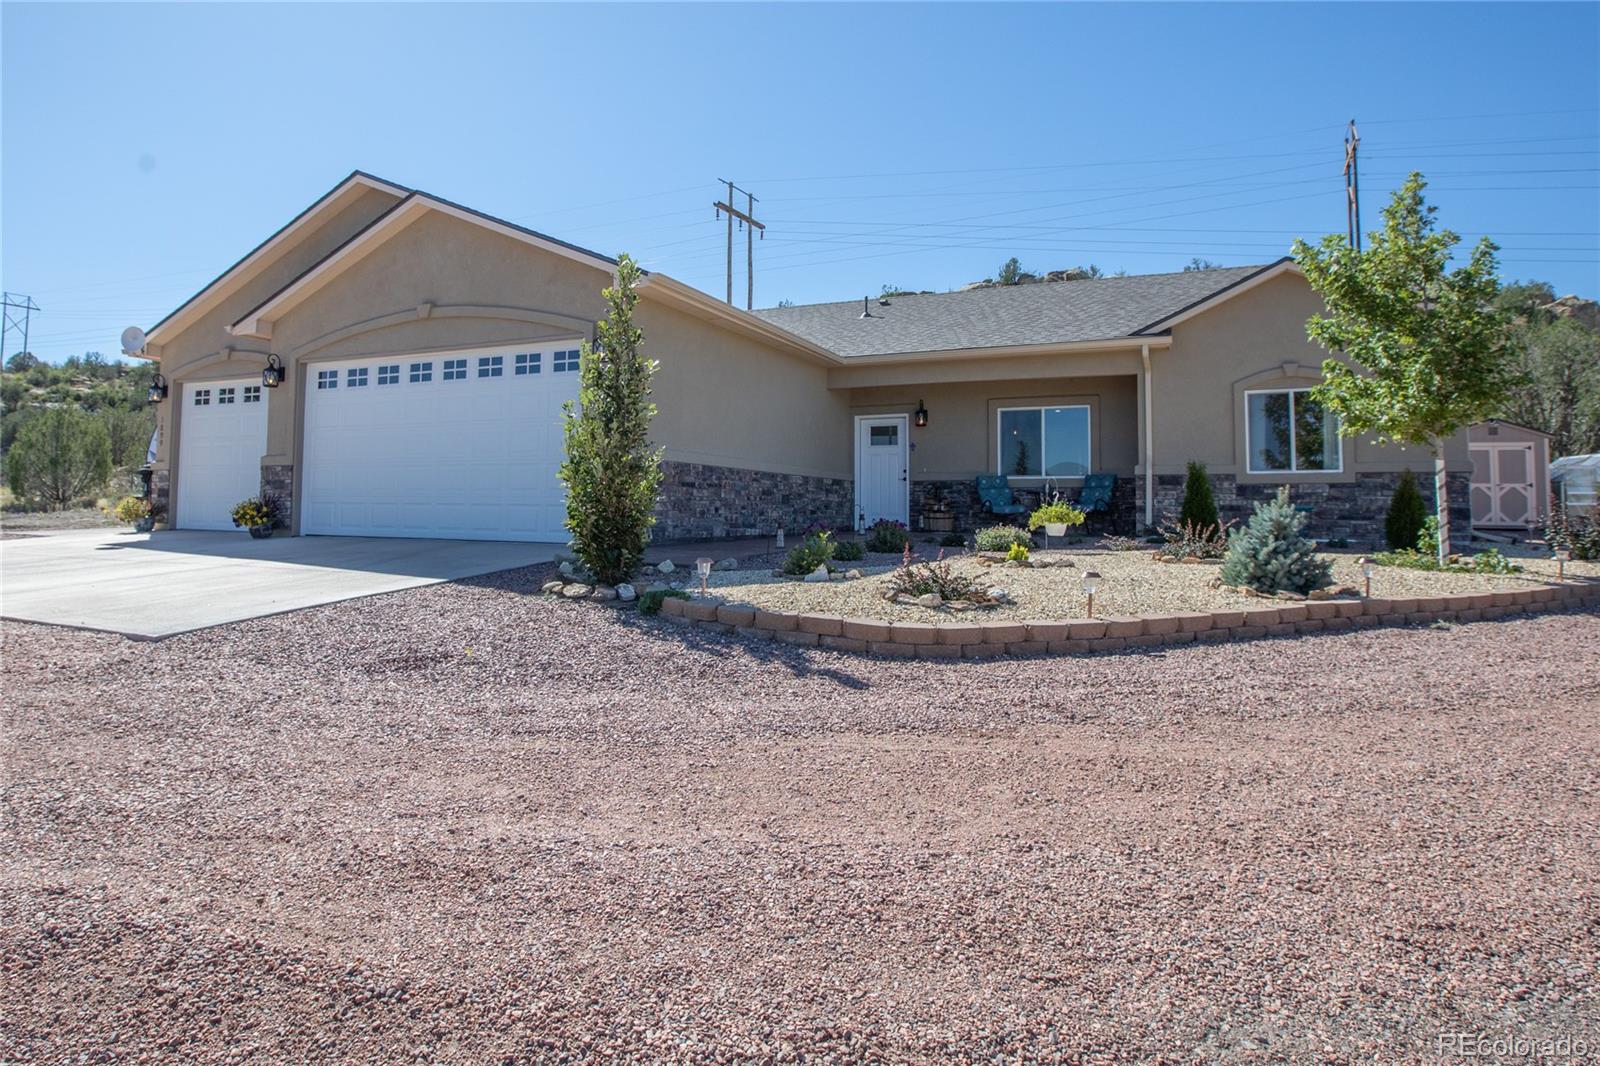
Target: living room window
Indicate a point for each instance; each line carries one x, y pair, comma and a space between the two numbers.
1286, 431
1044, 441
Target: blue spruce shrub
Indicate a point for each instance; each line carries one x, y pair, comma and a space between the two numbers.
1269, 555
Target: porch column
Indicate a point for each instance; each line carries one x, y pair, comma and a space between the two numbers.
1149, 445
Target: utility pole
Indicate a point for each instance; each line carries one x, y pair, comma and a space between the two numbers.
747, 217
18, 310
1352, 185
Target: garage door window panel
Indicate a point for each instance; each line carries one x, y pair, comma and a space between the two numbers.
327, 379
527, 362
356, 378
491, 366
389, 375
421, 372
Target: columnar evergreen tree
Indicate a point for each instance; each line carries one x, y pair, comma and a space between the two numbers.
612, 475
1199, 505
1269, 554
1407, 514
1426, 345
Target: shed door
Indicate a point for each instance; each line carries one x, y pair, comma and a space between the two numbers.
458, 446
1502, 486
222, 434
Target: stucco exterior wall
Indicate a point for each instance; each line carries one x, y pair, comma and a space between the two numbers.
1256, 340
205, 350
960, 440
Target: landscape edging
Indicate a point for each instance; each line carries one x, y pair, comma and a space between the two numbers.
1085, 636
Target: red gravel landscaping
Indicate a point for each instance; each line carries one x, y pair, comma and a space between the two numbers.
467, 824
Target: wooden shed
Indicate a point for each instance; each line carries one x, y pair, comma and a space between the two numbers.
1510, 475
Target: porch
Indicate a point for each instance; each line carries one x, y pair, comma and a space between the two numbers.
919, 448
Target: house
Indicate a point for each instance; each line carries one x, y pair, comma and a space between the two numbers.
428, 348
1510, 476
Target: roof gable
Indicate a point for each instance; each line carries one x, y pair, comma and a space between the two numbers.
269, 251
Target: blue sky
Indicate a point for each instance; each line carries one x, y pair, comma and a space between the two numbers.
145, 148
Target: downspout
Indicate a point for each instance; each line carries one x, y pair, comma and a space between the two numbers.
1149, 445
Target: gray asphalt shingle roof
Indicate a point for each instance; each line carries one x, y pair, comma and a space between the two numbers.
1050, 312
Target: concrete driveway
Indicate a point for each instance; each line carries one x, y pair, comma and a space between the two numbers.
158, 584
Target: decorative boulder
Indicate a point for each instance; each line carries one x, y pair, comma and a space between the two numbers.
626, 592
604, 592
552, 586
566, 567
665, 566
727, 564
819, 574
852, 574
930, 599
576, 591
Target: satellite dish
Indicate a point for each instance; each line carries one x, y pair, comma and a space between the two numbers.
133, 341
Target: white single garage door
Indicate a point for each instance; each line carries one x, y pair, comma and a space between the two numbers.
222, 433
458, 445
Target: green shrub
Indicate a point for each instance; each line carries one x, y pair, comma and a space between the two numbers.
1488, 561
848, 551
650, 602
1053, 513
59, 456
1269, 555
1199, 509
1403, 525
816, 550
612, 474
952, 540
887, 535
1000, 538
1017, 553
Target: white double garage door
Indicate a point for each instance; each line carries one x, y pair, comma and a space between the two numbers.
458, 445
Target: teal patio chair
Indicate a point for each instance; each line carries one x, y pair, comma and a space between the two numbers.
994, 492
1095, 496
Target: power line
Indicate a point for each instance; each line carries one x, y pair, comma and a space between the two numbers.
746, 218
15, 307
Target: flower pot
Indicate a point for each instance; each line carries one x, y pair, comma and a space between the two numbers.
939, 521
1055, 529
260, 532
144, 525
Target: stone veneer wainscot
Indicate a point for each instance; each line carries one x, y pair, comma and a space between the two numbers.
700, 501
1354, 509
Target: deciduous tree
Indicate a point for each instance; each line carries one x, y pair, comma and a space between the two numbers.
1421, 346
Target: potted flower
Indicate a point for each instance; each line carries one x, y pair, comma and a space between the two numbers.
258, 514
136, 512
1055, 517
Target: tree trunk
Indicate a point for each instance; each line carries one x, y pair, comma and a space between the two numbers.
1441, 501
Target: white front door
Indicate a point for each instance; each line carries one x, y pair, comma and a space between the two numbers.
452, 445
1502, 486
882, 469
222, 433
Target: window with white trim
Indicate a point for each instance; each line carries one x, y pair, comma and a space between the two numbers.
421, 372
225, 395
491, 366
389, 375
455, 369
356, 378
202, 397
1286, 431
1043, 441
527, 362
252, 394
561, 362
327, 379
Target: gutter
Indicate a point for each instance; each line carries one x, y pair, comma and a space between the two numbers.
1149, 444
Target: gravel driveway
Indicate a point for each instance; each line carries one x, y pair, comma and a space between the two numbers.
465, 824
